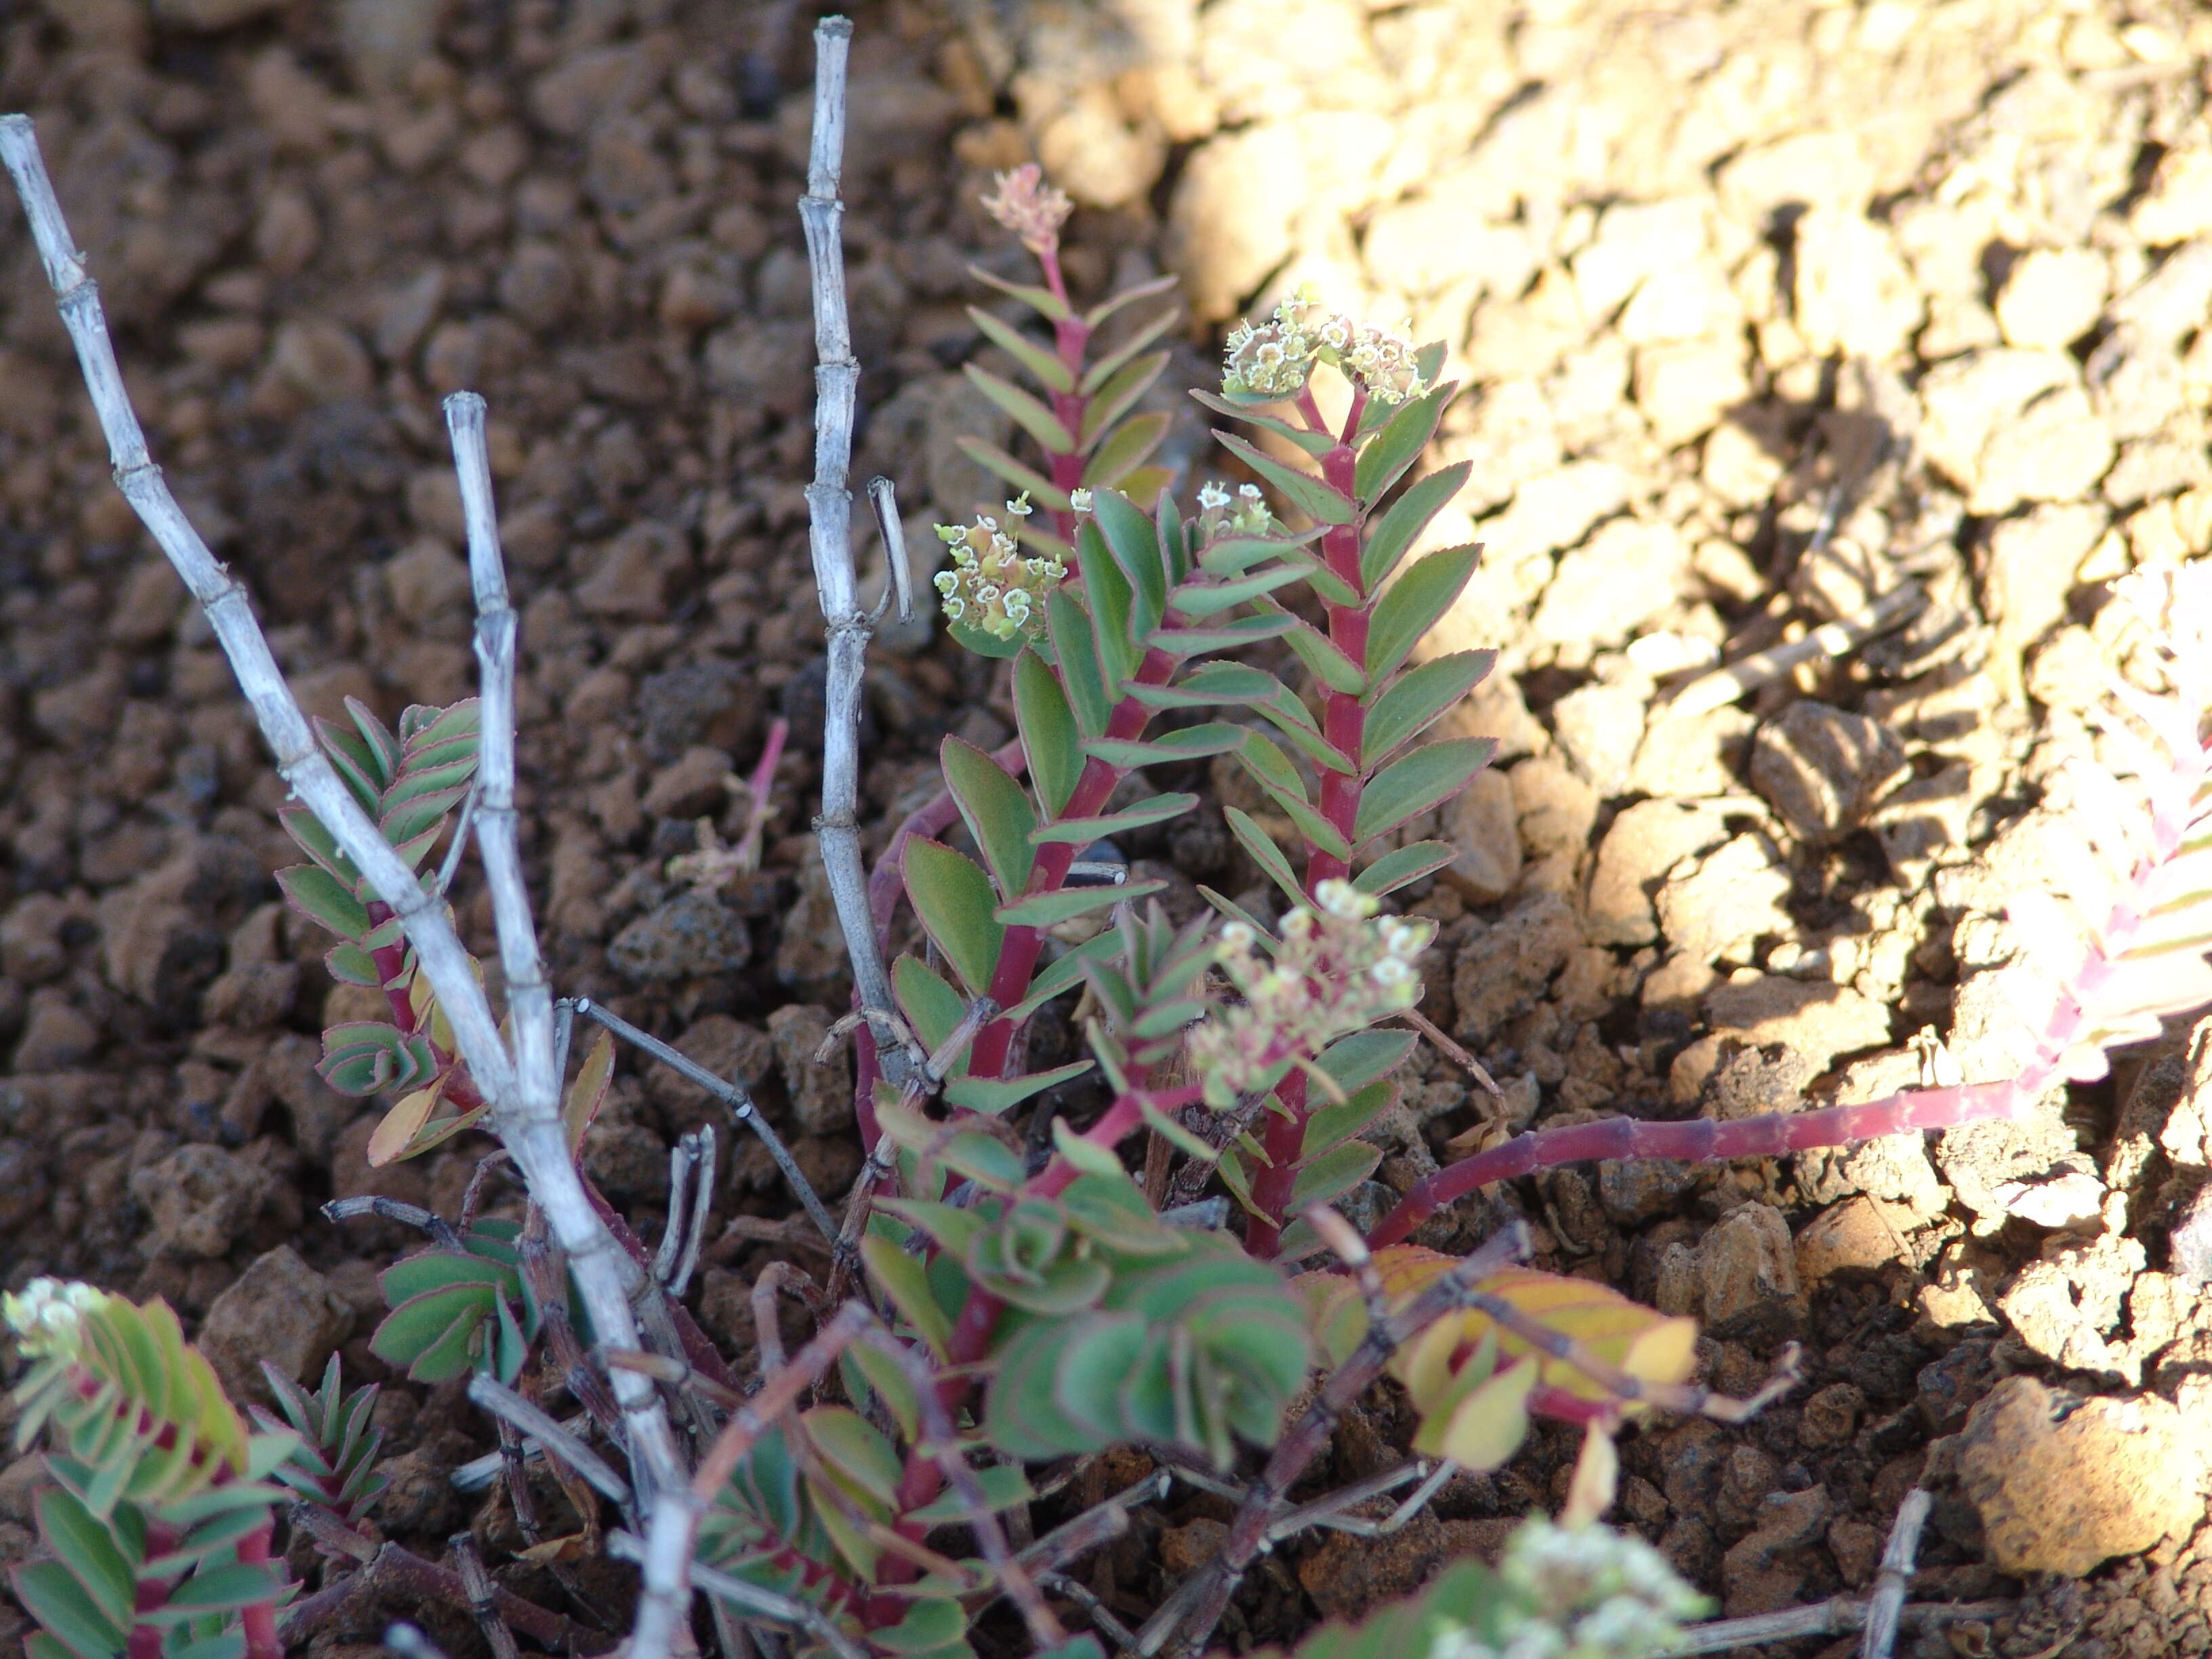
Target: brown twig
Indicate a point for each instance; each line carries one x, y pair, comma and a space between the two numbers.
481, 1602
397, 1572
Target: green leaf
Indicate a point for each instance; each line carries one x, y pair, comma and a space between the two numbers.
988, 1162
994, 1096
997, 810
82, 1540
1272, 770
1365, 1057
1403, 864
1145, 290
1231, 636
1315, 444
1113, 604
1336, 1122
857, 1449
1025, 412
1432, 774
1050, 910
1117, 459
997, 462
953, 898
1081, 675
386, 751
904, 1279
56, 1600
1127, 377
1191, 743
1301, 490
974, 639
1324, 660
928, 999
1049, 737
1003, 1486
1231, 556
1265, 854
321, 897
360, 1057
1043, 363
1334, 1173
1133, 540
1042, 300
1083, 831
1411, 705
1064, 973
1408, 516
1211, 598
1412, 605
218, 1590
1387, 455
1101, 1355
929, 1625
350, 964
318, 843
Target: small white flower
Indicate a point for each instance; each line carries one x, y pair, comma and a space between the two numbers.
1250, 492
1019, 506
944, 581
1212, 495
1079, 500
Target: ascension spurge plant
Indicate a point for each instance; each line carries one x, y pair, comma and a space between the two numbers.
1023, 1307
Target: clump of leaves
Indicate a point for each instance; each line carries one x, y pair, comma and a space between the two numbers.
408, 782
161, 1517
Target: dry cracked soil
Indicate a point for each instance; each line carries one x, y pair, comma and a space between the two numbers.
1769, 313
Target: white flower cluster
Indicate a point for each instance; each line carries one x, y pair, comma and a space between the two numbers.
992, 585
1244, 513
47, 1315
1336, 971
1597, 1593
1274, 358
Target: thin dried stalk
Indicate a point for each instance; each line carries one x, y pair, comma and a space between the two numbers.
740, 1103
829, 516
1887, 1601
1836, 1616
520, 1088
502, 1402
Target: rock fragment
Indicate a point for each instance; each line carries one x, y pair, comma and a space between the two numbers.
2064, 1483
1822, 767
821, 1091
279, 1309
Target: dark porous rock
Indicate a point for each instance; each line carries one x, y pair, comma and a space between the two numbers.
701, 704
691, 935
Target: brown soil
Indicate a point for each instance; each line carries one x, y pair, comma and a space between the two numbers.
1764, 308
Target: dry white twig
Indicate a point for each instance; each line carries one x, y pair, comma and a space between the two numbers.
520, 1088
1724, 685
829, 523
1895, 1576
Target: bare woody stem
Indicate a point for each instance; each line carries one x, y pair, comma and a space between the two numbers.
829, 521
525, 1109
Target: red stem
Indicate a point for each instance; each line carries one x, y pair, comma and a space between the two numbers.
1071, 335
1702, 1140
259, 1619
